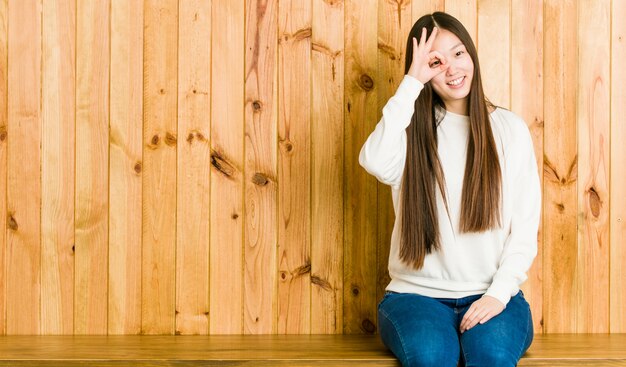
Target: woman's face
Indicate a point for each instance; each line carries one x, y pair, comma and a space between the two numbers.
453, 85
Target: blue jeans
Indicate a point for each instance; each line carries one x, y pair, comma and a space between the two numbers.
424, 331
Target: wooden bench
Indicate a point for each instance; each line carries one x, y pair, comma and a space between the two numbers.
274, 350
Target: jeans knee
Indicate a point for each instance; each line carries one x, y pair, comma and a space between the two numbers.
433, 358
491, 357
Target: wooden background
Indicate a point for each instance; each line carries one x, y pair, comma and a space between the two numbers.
190, 167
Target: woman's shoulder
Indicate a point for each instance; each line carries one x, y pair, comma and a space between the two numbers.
508, 124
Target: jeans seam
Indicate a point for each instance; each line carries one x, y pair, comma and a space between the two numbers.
528, 321
395, 328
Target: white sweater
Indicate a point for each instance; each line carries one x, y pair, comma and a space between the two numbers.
493, 262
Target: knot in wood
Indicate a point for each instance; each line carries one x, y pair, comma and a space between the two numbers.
256, 106
286, 146
259, 179
221, 164
170, 139
366, 82
594, 202
137, 167
12, 223
368, 326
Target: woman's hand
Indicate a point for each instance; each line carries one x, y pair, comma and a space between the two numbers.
426, 63
481, 311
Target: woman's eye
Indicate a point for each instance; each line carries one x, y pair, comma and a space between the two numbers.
458, 53
434, 63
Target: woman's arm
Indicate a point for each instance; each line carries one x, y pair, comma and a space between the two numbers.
384, 151
520, 248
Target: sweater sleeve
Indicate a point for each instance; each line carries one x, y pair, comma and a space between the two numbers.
384, 152
520, 247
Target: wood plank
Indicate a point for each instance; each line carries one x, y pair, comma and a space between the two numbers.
159, 175
192, 245
594, 88
227, 127
57, 167
527, 102
276, 350
92, 159
222, 350
327, 176
4, 71
261, 107
294, 167
494, 47
618, 172
560, 161
423, 7
394, 24
125, 211
23, 256
466, 11
360, 214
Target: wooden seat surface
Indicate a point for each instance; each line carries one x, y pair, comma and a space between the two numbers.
275, 350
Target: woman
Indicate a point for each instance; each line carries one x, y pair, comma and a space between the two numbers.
466, 195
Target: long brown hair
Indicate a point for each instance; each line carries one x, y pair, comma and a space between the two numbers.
480, 203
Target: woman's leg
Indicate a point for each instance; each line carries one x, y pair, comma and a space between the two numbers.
419, 330
502, 340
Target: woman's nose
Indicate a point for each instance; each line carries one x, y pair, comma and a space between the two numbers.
451, 70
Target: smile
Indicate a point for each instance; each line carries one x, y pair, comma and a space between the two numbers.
456, 82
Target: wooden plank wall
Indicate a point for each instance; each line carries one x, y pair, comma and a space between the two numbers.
190, 167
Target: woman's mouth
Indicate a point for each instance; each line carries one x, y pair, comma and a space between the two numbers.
456, 83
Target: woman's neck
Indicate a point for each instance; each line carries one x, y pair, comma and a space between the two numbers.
458, 106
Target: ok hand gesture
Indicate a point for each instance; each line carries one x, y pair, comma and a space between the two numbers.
426, 63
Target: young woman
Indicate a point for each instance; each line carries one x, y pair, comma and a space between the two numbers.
466, 195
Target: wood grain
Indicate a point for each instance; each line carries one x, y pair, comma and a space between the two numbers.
227, 127
159, 175
593, 121
394, 25
559, 166
4, 91
193, 185
423, 7
466, 11
294, 167
23, 253
125, 167
92, 162
361, 218
57, 167
261, 109
494, 50
327, 171
276, 350
618, 172
527, 101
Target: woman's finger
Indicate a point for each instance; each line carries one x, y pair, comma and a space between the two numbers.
436, 55
431, 39
475, 319
468, 316
423, 37
486, 318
